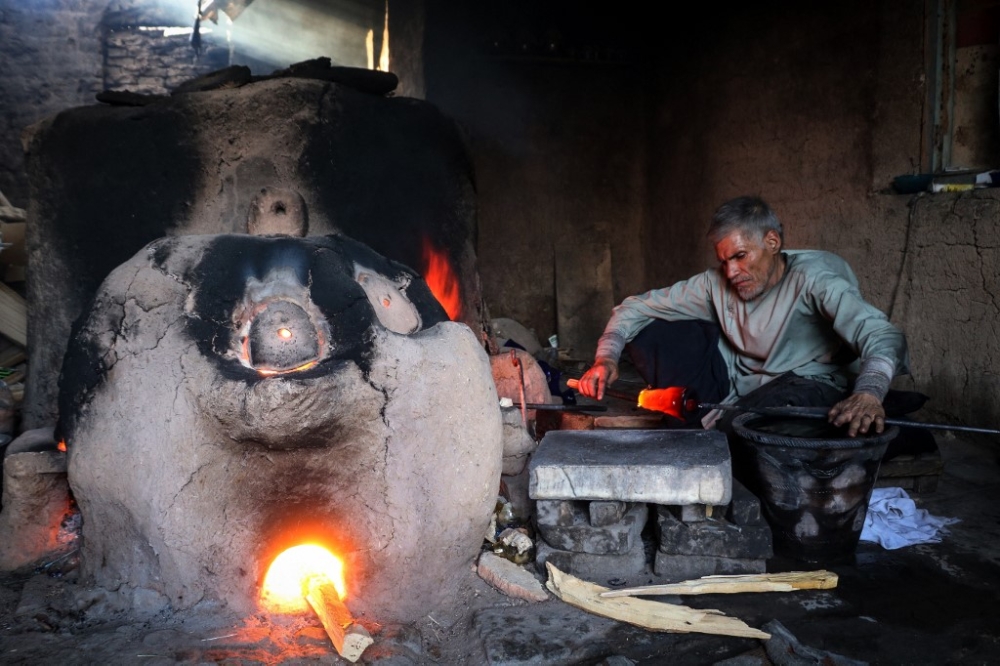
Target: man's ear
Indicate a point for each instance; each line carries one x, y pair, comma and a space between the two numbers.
772, 241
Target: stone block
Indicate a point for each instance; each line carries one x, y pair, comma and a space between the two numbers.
604, 513
658, 466
745, 507
715, 537
695, 513
573, 531
676, 568
596, 568
556, 513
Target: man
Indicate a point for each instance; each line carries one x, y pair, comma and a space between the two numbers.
767, 327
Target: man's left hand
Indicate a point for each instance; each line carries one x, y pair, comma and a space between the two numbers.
859, 412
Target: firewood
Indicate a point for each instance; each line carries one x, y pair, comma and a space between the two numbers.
13, 315
349, 638
776, 582
644, 613
14, 251
12, 214
12, 356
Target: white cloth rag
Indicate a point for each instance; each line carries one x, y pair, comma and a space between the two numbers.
894, 521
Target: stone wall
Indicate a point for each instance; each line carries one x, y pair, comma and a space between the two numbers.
58, 54
142, 59
50, 60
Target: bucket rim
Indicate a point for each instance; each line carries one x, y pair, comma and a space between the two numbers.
741, 427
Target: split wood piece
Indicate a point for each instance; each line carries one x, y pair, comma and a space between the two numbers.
12, 356
13, 315
14, 251
12, 214
349, 638
777, 582
653, 615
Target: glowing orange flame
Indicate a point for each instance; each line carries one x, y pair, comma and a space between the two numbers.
668, 400
442, 281
61, 445
284, 333
288, 577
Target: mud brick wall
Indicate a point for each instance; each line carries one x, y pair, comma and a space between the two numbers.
50, 59
150, 62
58, 54
948, 303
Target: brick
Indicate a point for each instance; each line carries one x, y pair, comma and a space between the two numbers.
603, 513
716, 538
745, 507
595, 568
675, 568
658, 466
695, 513
573, 531
557, 513
509, 578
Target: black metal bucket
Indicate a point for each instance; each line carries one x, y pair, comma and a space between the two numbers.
813, 482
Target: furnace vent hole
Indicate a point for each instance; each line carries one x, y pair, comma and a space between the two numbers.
389, 301
279, 329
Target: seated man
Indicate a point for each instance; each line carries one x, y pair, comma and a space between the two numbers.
769, 326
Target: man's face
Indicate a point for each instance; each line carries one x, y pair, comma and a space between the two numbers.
750, 265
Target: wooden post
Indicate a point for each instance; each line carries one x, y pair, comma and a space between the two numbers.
349, 638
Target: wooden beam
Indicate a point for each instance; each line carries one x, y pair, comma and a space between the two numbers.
644, 613
776, 582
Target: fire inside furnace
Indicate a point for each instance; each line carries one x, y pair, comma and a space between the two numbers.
441, 280
284, 333
287, 581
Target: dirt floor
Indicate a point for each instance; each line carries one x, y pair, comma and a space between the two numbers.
927, 604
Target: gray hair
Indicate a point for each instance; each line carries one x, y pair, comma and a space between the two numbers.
746, 214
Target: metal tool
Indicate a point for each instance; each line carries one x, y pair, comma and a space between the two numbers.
546, 407
679, 402
621, 395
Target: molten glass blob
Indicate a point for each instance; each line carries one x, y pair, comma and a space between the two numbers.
670, 400
441, 280
287, 580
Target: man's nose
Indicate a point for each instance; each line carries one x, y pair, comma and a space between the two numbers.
732, 270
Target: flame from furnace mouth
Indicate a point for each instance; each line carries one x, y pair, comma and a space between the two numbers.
287, 580
440, 278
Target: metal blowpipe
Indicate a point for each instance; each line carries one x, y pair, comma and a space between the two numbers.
678, 401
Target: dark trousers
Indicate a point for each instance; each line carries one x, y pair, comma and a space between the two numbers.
686, 353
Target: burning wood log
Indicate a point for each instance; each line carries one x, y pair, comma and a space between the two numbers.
349, 638
777, 582
644, 613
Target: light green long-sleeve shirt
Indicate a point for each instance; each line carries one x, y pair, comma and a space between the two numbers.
813, 323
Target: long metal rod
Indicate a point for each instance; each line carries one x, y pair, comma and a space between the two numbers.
821, 412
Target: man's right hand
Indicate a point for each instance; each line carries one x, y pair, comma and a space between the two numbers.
601, 374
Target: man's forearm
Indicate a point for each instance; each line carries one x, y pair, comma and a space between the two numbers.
875, 377
610, 346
